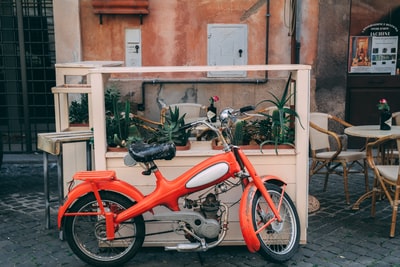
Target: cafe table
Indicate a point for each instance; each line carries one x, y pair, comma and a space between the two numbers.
369, 132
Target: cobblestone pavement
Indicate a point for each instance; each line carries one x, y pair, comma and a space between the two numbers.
337, 235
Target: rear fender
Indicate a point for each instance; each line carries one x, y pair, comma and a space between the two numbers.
84, 188
245, 212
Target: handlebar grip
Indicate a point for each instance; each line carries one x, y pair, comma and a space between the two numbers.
186, 126
246, 108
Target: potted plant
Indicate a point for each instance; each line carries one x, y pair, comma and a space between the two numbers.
79, 111
248, 134
171, 130
122, 127
252, 133
275, 127
282, 116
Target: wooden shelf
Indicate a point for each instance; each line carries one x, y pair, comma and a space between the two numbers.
120, 6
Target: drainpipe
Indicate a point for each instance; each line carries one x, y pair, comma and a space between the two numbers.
268, 15
294, 46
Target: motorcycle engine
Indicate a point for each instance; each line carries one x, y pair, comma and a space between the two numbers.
210, 207
208, 228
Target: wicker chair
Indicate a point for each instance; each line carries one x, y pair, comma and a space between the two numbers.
327, 160
396, 118
392, 154
387, 179
193, 111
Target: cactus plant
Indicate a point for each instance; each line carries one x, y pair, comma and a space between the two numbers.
238, 133
121, 127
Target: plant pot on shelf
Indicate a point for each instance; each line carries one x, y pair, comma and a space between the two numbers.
79, 125
117, 149
183, 148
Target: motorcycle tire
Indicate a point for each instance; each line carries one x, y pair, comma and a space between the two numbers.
86, 235
279, 240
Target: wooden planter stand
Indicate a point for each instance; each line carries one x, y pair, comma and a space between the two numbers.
282, 165
290, 164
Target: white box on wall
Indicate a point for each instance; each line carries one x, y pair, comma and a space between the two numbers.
133, 48
227, 46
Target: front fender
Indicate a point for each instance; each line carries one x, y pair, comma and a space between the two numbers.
85, 188
245, 212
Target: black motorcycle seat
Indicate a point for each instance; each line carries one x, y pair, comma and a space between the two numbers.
142, 152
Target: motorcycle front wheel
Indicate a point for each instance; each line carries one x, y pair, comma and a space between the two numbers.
86, 235
279, 240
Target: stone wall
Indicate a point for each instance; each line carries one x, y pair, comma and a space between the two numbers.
331, 60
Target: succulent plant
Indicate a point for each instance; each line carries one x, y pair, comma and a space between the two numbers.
281, 131
171, 130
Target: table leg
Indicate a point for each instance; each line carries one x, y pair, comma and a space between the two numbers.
368, 194
60, 178
356, 205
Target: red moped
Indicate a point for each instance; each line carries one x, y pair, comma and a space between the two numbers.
102, 217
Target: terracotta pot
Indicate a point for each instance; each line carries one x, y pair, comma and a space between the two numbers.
117, 149
187, 147
79, 124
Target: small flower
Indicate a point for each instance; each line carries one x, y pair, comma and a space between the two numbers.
383, 105
213, 99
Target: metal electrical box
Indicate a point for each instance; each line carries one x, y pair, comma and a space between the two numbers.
227, 45
133, 48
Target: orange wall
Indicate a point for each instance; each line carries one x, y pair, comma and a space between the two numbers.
175, 31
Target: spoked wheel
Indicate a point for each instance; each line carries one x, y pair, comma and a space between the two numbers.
279, 240
86, 235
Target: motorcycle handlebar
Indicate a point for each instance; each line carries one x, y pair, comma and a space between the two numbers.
186, 126
241, 110
246, 108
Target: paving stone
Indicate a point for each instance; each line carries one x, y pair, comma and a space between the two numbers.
337, 235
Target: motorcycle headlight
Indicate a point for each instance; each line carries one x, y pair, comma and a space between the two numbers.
225, 115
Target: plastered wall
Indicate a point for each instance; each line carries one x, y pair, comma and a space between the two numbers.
174, 33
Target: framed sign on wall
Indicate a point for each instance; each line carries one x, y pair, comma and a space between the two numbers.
375, 51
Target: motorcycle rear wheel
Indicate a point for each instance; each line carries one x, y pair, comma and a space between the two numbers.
280, 240
86, 235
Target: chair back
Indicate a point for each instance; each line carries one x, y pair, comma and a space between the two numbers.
270, 110
398, 149
319, 140
396, 118
192, 110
